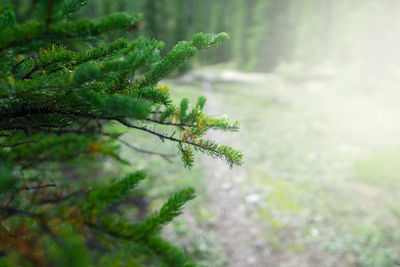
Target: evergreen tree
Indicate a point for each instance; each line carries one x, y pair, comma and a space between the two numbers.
264, 33
58, 106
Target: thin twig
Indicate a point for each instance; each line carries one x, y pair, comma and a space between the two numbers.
170, 123
20, 143
22, 61
162, 155
38, 187
10, 211
46, 228
162, 136
64, 198
28, 75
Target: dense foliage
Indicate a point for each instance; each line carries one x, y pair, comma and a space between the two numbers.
59, 103
264, 33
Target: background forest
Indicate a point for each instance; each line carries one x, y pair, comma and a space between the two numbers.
314, 85
265, 33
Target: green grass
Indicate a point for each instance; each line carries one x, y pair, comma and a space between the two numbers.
381, 167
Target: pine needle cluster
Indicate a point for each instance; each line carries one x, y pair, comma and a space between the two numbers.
57, 102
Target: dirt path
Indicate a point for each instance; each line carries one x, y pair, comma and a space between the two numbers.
241, 234
296, 201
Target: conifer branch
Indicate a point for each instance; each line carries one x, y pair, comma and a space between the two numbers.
62, 198
166, 157
170, 123
23, 60
45, 227
19, 143
56, 105
232, 156
27, 187
10, 211
232, 127
141, 232
33, 31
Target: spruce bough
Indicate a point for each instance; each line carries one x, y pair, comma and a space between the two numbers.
57, 104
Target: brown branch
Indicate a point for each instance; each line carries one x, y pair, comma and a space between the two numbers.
121, 120
22, 61
170, 123
166, 157
29, 74
10, 211
162, 136
20, 143
184, 124
38, 187
46, 228
64, 198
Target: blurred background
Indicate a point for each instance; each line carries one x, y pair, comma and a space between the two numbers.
315, 87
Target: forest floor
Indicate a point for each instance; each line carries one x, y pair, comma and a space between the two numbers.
320, 182
238, 230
